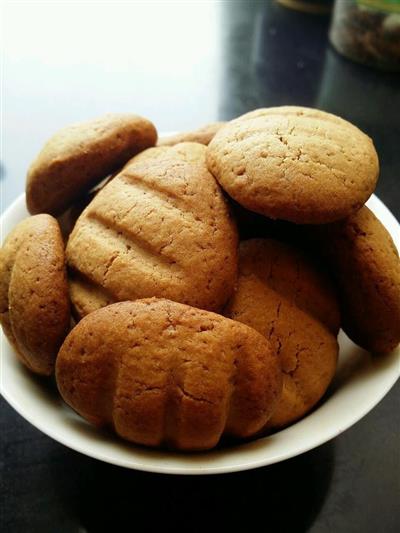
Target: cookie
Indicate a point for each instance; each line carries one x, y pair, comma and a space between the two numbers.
166, 374
8, 252
79, 156
202, 135
282, 296
366, 265
34, 302
294, 163
163, 228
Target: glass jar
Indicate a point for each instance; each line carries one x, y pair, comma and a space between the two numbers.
368, 31
309, 6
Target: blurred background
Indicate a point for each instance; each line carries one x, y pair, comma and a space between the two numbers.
183, 64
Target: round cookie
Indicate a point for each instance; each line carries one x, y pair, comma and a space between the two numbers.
79, 156
166, 374
365, 262
202, 135
34, 302
163, 228
281, 295
294, 163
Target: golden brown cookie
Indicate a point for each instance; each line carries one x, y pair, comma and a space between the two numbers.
79, 156
281, 295
163, 228
294, 163
366, 265
202, 135
162, 373
34, 303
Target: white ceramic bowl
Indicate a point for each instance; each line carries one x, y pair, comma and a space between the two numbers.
360, 383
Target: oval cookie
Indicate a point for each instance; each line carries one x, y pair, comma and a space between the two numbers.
79, 156
162, 373
34, 292
366, 265
282, 296
160, 228
294, 163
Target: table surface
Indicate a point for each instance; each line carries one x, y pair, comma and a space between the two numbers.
183, 64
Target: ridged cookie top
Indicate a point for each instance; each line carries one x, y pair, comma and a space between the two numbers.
161, 373
295, 163
34, 303
160, 228
80, 155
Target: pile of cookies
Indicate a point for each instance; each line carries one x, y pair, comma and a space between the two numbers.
132, 283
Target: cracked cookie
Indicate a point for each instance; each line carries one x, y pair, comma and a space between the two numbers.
166, 374
294, 163
34, 302
80, 155
366, 265
161, 227
281, 295
202, 135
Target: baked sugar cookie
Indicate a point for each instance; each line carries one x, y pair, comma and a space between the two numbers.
79, 156
282, 296
166, 374
366, 265
294, 163
34, 302
163, 228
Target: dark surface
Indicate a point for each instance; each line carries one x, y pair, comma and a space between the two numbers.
182, 66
